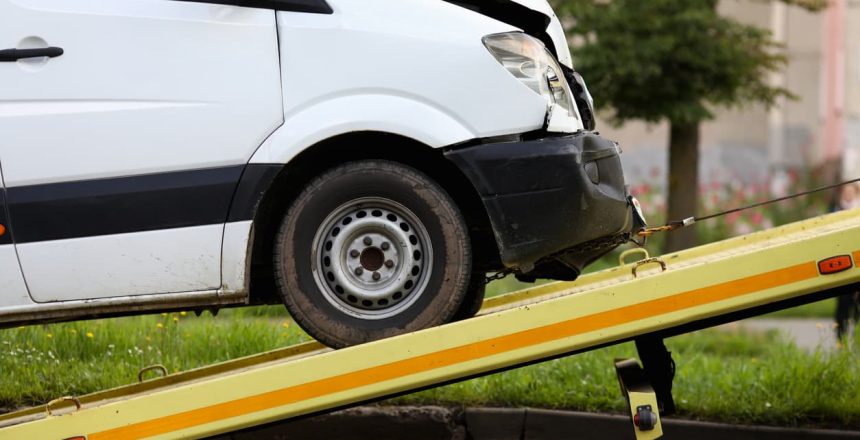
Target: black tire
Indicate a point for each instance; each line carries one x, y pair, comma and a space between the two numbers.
317, 268
473, 299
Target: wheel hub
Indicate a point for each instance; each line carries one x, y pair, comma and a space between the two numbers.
372, 258
367, 261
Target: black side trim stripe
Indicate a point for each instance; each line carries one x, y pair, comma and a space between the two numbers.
4, 220
256, 179
310, 6
136, 203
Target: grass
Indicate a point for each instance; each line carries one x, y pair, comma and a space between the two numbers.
733, 377
43, 362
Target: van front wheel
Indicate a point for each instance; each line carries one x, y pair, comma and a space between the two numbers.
372, 249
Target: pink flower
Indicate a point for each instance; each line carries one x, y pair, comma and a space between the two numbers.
756, 218
733, 218
743, 229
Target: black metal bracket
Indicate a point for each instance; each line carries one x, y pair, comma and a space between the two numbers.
659, 369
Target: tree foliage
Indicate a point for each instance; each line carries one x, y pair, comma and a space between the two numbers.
670, 60
675, 61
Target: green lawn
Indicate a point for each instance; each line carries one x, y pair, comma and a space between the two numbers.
754, 378
42, 362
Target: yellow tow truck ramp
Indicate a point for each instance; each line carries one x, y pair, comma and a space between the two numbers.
699, 287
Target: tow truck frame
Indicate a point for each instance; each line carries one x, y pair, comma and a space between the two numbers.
699, 287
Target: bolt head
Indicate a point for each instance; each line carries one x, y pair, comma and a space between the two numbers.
376, 276
385, 245
354, 253
367, 241
389, 264
359, 271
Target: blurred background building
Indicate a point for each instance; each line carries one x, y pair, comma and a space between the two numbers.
761, 149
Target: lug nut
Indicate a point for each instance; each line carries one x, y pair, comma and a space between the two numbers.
367, 241
389, 264
376, 276
354, 253
385, 246
359, 271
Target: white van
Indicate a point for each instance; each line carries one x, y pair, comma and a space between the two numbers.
365, 162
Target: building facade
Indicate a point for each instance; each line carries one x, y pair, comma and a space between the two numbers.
756, 146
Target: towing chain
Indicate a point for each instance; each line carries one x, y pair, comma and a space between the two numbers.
498, 275
590, 246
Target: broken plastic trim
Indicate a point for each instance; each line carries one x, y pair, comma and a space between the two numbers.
530, 21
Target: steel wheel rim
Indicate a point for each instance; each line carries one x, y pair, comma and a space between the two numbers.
372, 258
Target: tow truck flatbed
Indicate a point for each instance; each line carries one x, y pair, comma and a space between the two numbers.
743, 275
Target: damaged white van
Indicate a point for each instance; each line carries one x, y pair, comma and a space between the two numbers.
365, 162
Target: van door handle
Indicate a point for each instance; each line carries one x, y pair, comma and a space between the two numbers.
11, 55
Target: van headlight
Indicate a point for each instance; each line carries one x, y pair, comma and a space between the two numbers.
527, 59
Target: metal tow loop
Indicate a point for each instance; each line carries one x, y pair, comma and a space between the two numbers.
671, 226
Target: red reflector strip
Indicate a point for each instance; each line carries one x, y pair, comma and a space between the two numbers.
2, 230
835, 264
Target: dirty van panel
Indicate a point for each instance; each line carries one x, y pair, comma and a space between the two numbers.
121, 156
13, 291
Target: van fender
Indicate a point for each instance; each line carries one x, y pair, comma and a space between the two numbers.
406, 116
387, 113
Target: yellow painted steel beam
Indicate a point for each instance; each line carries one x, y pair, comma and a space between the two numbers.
704, 282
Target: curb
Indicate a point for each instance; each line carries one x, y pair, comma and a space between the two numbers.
366, 422
542, 424
439, 423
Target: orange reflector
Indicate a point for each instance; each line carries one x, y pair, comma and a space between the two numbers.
835, 264
2, 230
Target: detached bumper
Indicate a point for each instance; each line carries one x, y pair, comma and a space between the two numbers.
549, 197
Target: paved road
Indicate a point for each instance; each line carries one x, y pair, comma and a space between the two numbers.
807, 333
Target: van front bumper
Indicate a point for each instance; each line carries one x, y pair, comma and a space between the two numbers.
555, 204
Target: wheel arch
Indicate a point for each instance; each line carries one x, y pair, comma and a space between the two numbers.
354, 146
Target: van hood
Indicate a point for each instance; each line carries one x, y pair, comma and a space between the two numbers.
534, 17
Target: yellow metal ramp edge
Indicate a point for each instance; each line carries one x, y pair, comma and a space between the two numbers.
524, 327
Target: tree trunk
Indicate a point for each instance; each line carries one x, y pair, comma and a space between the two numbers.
683, 183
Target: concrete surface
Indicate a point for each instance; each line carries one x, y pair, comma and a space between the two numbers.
809, 334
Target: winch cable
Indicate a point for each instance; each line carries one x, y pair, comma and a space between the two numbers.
674, 225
